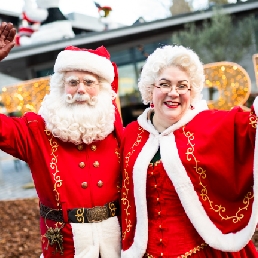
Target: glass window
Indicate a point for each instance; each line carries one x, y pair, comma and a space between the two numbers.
44, 72
128, 90
140, 66
121, 57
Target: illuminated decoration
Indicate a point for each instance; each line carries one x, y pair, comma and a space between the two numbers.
232, 82
255, 62
28, 95
230, 79
25, 96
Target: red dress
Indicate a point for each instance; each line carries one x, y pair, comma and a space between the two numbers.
202, 199
170, 232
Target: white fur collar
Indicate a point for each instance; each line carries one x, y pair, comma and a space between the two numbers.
190, 114
190, 201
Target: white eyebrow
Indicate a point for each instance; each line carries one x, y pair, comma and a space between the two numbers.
72, 77
89, 77
180, 81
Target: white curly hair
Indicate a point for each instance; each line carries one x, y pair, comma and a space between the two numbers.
179, 56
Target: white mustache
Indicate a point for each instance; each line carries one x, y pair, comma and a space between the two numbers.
81, 98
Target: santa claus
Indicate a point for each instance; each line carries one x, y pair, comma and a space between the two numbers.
72, 148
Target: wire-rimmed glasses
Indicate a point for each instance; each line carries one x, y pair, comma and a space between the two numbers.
167, 87
88, 83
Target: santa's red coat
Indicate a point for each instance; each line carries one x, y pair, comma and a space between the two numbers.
61, 170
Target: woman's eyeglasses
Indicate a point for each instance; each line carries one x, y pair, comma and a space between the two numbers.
166, 88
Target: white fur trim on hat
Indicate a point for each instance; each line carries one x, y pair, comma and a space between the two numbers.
71, 60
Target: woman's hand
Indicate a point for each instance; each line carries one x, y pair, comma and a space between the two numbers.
7, 34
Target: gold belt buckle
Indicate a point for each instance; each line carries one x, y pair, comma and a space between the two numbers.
97, 214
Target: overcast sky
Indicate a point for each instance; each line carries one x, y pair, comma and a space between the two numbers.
124, 11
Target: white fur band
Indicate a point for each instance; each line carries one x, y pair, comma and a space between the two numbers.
71, 60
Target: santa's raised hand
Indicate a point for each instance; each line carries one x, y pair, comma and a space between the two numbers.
7, 34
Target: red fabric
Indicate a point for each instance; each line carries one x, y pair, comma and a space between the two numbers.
25, 17
170, 232
223, 144
26, 30
118, 125
114, 84
106, 7
56, 172
17, 40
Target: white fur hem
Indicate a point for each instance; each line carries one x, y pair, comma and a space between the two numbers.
231, 242
92, 239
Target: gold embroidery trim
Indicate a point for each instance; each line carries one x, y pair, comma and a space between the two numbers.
31, 121
193, 251
218, 208
80, 215
125, 183
253, 120
155, 164
187, 254
112, 209
117, 152
53, 166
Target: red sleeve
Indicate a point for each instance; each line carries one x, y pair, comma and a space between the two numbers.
14, 136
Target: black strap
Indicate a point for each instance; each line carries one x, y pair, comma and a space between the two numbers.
82, 215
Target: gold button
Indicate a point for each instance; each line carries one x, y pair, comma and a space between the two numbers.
96, 164
160, 240
84, 185
93, 147
155, 186
157, 199
82, 164
100, 183
159, 213
80, 147
160, 226
161, 254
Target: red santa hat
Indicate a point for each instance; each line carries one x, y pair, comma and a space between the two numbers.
81, 59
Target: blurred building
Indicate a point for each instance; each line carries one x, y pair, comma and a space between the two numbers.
129, 46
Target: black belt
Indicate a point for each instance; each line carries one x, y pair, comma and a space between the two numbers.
82, 215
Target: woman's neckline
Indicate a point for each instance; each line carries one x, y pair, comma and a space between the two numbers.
151, 119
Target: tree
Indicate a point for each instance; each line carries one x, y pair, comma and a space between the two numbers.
218, 39
180, 6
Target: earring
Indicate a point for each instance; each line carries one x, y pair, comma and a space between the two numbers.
191, 107
151, 105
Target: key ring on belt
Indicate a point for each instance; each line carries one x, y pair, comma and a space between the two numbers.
54, 236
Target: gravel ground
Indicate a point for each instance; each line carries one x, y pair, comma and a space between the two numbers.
19, 229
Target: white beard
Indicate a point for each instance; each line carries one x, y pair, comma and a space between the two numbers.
78, 123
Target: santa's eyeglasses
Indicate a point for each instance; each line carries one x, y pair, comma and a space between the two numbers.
88, 83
